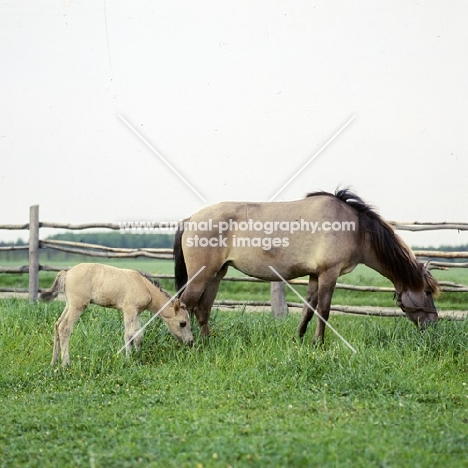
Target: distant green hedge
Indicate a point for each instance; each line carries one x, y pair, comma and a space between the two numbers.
108, 239
117, 239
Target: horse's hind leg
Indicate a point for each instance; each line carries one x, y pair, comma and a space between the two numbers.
307, 311
56, 352
65, 328
203, 308
200, 293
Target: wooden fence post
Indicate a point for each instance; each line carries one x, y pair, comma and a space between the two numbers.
279, 308
33, 252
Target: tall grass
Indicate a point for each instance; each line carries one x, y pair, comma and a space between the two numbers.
250, 395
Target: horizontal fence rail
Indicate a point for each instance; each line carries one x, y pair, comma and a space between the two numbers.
277, 300
432, 226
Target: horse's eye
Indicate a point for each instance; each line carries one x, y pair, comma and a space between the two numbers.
183, 324
427, 293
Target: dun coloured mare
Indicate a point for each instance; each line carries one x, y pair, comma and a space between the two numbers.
322, 236
125, 290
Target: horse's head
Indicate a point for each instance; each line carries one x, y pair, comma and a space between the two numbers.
419, 306
177, 320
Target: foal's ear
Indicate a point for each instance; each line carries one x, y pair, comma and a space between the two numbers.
176, 305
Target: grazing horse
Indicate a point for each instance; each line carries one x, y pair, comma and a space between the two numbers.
125, 290
322, 236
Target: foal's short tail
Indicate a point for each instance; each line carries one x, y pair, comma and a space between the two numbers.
180, 268
57, 287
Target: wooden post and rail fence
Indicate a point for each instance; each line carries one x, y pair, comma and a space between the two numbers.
277, 303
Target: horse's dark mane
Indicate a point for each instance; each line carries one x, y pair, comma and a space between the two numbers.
154, 283
389, 249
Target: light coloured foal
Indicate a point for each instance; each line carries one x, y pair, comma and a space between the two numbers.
122, 289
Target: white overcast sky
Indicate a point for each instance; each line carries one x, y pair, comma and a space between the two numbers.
236, 96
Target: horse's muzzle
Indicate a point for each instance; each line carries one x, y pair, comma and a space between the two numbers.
423, 319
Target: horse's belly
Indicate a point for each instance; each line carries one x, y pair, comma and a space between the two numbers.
105, 298
299, 257
271, 270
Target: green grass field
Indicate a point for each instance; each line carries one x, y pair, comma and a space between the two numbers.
251, 395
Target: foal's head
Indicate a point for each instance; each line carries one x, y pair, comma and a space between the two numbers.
177, 319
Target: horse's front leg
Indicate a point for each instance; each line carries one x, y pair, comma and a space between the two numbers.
308, 309
137, 334
326, 287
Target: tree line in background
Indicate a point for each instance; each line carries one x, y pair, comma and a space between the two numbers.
108, 239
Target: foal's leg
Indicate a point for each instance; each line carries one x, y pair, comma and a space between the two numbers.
203, 309
307, 312
65, 327
132, 324
56, 352
138, 337
326, 286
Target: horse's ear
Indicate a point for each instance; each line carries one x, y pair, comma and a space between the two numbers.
176, 305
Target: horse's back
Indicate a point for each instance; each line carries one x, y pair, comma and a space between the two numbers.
297, 238
106, 285
320, 208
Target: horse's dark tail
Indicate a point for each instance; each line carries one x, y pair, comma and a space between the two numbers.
57, 287
180, 268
